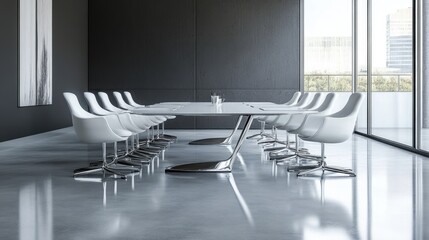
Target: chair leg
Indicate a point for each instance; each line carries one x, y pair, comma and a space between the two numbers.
298, 168
341, 170
87, 170
167, 136
285, 157
261, 133
159, 138
273, 149
275, 140
110, 170
127, 162
303, 173
133, 155
253, 136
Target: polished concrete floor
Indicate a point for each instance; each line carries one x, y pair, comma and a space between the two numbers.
259, 200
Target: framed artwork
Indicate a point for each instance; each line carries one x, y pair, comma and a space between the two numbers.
35, 52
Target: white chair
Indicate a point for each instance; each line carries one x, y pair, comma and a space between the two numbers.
325, 108
131, 102
334, 128
295, 123
281, 121
155, 118
307, 101
90, 128
270, 120
293, 101
138, 120
133, 121
122, 104
127, 123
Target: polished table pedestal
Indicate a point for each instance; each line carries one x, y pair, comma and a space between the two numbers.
220, 140
217, 166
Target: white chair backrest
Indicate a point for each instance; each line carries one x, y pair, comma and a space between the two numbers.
334, 128
75, 107
298, 120
351, 109
317, 100
306, 98
121, 102
327, 106
107, 104
94, 106
130, 100
89, 128
294, 100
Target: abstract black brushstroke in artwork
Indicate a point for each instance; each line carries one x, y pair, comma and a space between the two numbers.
42, 81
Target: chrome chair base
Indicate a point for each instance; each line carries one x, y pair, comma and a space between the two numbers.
98, 169
301, 167
149, 147
125, 160
128, 162
139, 157
254, 135
162, 140
131, 160
147, 152
159, 142
323, 167
283, 157
260, 135
301, 153
273, 149
168, 136
272, 142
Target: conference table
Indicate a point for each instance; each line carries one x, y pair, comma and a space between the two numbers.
246, 110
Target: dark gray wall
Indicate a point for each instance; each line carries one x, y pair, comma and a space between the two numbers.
70, 68
169, 50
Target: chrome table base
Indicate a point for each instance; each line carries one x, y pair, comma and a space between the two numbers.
218, 141
216, 166
211, 141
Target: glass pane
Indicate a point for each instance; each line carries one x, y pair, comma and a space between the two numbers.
392, 96
328, 47
425, 81
362, 81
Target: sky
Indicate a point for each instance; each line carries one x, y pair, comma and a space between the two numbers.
334, 18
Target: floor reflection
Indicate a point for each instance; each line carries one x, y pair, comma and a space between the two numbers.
259, 200
315, 213
241, 200
35, 211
